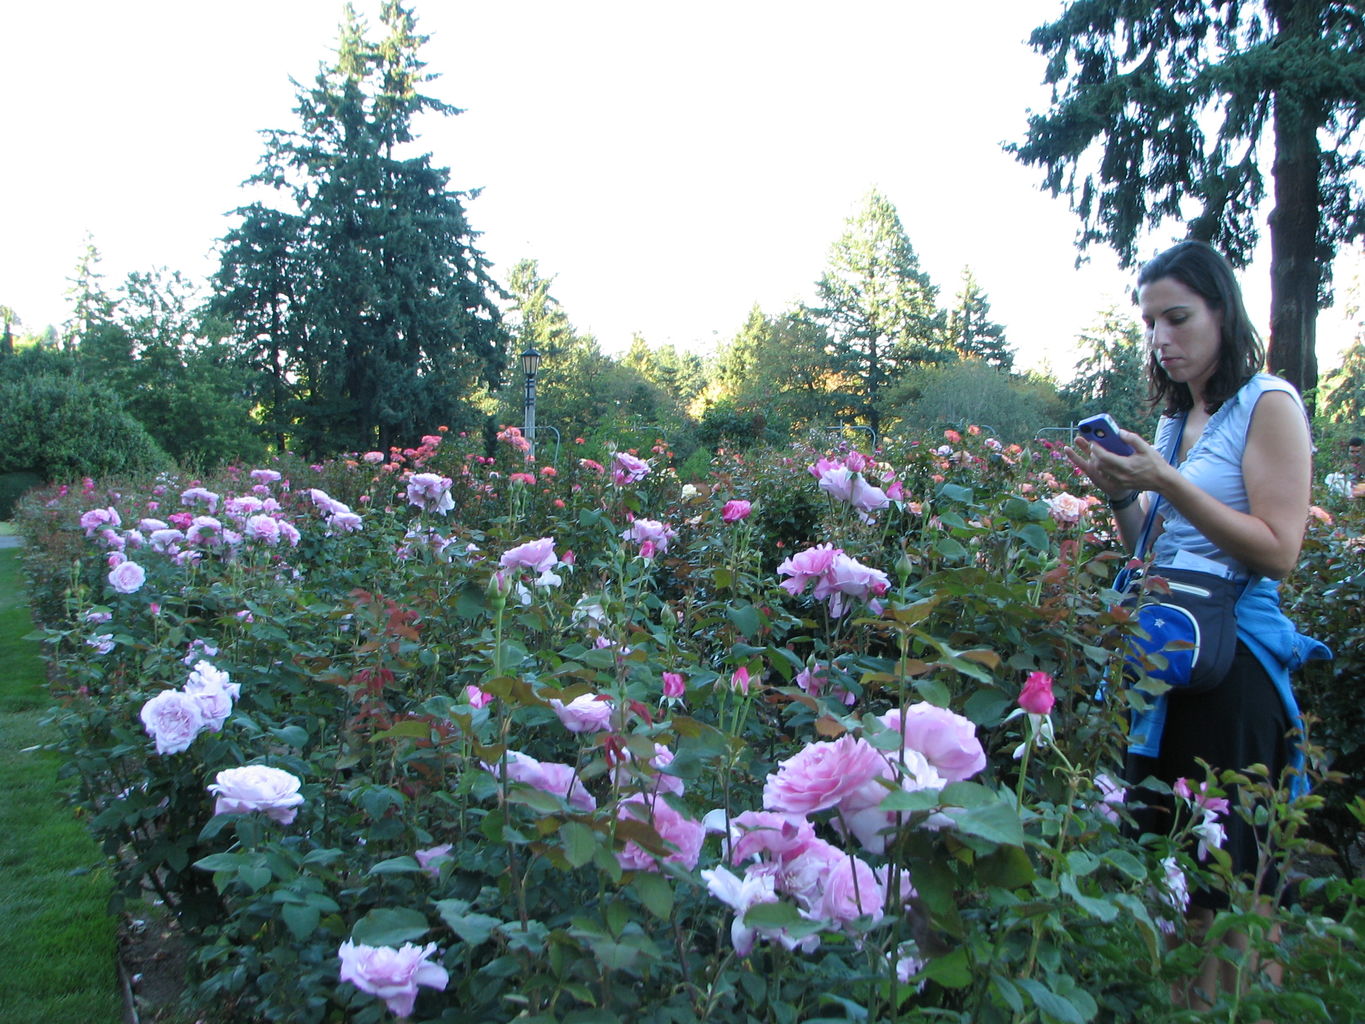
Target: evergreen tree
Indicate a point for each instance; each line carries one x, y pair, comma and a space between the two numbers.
91, 306
877, 306
1164, 110
972, 332
369, 302
1111, 374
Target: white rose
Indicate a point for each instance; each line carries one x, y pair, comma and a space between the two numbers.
256, 787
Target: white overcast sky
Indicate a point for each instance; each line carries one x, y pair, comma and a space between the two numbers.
669, 164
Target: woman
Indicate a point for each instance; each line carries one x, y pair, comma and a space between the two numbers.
1234, 500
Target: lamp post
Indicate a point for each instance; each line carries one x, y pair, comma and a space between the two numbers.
530, 363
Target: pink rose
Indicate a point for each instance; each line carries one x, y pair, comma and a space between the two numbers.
1112, 796
740, 680
626, 468
127, 577
478, 698
536, 555
587, 713
264, 476
779, 836
257, 787
393, 975
548, 777
651, 532
1037, 698
735, 510
851, 890
820, 775
866, 497
860, 813
1067, 509
263, 528
173, 719
98, 518
430, 492
947, 740
430, 859
806, 566
684, 834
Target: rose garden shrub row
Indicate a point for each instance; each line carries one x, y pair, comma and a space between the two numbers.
460, 737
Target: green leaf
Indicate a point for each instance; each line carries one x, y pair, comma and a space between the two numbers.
295, 736
219, 862
578, 842
411, 729
655, 893
745, 618
1049, 1003
1008, 867
934, 691
254, 876
474, 929
396, 866
1101, 909
390, 926
1128, 863
301, 920
1034, 536
780, 915
968, 794
951, 971
996, 823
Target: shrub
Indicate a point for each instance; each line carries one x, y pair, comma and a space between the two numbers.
13, 485
63, 428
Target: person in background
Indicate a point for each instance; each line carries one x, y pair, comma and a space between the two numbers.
1234, 501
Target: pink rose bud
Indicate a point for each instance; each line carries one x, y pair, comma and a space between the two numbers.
1037, 697
673, 684
740, 680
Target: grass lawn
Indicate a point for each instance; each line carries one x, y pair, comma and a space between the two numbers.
57, 939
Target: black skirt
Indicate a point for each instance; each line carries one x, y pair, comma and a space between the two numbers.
1240, 722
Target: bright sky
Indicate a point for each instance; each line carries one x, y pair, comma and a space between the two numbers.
669, 164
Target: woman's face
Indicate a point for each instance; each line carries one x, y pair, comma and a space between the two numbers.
1183, 332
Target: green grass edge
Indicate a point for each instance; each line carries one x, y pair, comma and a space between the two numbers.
58, 940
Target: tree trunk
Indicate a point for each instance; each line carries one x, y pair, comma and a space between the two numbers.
1295, 274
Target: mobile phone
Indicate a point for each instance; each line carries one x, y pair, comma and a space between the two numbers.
1103, 431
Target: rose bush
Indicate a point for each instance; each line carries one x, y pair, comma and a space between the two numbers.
762, 773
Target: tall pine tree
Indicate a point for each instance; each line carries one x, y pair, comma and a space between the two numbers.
1170, 109
364, 300
972, 332
877, 305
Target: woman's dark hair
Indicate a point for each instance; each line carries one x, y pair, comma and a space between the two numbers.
1202, 269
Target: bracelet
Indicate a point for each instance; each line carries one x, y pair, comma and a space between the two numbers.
1119, 504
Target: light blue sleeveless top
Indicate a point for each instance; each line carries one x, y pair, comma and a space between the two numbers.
1214, 465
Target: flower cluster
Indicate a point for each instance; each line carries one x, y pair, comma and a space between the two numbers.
836, 576
846, 480
173, 718
848, 779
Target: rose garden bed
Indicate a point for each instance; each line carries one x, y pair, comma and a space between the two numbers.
452, 735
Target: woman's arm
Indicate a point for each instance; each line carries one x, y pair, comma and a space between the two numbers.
1277, 468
